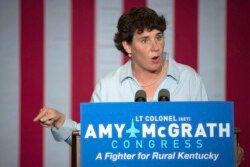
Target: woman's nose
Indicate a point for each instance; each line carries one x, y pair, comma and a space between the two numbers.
155, 45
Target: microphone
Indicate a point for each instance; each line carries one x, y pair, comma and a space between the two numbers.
163, 95
140, 96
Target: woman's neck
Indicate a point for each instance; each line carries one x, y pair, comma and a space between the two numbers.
152, 80
148, 78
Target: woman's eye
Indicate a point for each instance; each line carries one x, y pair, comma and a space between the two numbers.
158, 38
144, 41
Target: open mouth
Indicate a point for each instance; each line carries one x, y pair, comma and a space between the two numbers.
156, 59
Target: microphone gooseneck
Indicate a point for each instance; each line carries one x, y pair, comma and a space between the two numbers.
140, 96
163, 95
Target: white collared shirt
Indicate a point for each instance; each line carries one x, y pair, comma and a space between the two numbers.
183, 83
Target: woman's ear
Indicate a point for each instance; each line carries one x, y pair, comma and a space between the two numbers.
126, 46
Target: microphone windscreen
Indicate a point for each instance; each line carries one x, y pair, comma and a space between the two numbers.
164, 95
140, 96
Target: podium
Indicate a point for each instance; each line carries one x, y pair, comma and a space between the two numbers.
101, 147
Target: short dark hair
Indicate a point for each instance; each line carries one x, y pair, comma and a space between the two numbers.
137, 20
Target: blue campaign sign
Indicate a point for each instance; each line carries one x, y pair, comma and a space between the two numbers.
147, 134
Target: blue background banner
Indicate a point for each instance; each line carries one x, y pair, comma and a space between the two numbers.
157, 134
